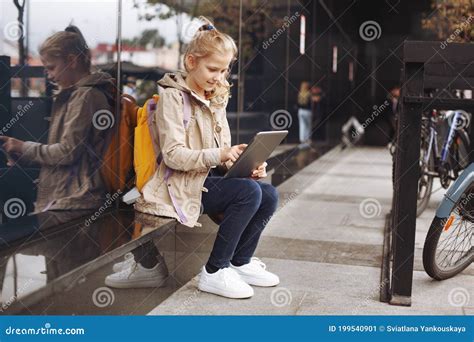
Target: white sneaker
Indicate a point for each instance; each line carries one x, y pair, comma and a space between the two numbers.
225, 282
136, 276
255, 273
129, 260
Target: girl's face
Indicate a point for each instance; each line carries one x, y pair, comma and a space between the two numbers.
206, 72
61, 71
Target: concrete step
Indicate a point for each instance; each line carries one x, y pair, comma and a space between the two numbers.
325, 242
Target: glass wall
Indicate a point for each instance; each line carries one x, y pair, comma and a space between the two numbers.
61, 126
60, 176
275, 56
27, 117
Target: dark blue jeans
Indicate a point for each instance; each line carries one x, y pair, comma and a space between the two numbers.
247, 205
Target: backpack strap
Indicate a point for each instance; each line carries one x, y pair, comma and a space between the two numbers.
187, 108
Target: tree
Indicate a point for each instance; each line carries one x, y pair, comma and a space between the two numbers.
451, 19
225, 14
149, 36
22, 53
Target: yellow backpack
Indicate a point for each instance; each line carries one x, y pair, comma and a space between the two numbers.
135, 148
146, 152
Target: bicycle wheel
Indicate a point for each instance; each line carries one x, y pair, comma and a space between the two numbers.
459, 153
425, 182
448, 246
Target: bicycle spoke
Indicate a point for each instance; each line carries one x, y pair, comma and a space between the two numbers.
455, 250
455, 244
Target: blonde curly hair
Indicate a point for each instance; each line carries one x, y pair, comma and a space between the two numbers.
207, 41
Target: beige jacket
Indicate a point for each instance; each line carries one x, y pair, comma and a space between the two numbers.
190, 153
70, 177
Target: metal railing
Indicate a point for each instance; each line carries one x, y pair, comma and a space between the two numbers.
427, 67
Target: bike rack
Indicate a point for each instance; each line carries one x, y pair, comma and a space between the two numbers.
426, 66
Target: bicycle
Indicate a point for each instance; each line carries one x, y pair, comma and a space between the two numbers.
448, 248
447, 163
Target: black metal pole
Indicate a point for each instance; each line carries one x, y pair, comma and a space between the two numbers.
407, 172
471, 140
5, 91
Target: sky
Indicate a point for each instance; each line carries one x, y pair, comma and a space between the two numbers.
97, 20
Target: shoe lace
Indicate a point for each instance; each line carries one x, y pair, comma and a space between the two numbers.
129, 271
258, 262
129, 256
229, 275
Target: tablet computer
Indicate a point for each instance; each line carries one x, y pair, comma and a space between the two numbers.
257, 151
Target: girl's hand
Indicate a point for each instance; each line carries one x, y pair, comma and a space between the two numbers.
232, 153
228, 164
260, 171
13, 147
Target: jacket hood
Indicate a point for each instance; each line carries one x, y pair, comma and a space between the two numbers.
174, 80
177, 81
96, 79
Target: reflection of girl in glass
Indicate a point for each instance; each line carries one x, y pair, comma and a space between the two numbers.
70, 174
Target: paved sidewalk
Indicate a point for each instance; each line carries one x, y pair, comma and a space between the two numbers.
325, 243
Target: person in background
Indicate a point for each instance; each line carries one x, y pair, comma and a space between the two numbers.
130, 88
393, 98
305, 115
317, 96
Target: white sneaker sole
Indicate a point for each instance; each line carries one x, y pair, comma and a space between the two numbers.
220, 292
259, 282
133, 284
